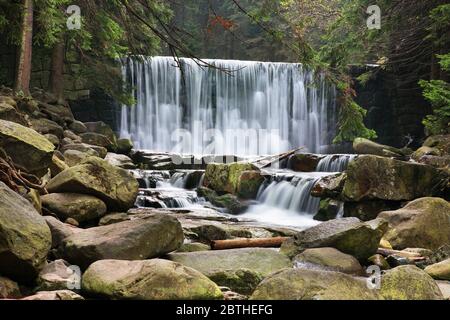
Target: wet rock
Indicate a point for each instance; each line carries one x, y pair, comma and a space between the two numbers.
225, 177
124, 146
25, 238
368, 210
248, 184
328, 209
303, 162
55, 276
55, 295
440, 142
80, 207
329, 186
120, 160
425, 151
243, 281
440, 270
9, 289
154, 279
139, 239
423, 223
59, 230
28, 149
328, 259
94, 176
409, 283
261, 260
302, 284
348, 235
372, 177
228, 201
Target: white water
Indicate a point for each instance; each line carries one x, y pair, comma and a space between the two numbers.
334, 162
256, 108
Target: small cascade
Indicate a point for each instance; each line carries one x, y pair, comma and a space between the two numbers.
334, 162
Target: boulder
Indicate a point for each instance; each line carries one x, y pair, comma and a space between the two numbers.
440, 270
422, 223
120, 160
25, 238
52, 138
380, 261
102, 128
425, 151
440, 142
227, 201
124, 146
9, 289
55, 276
328, 209
302, 284
80, 207
78, 127
365, 146
28, 149
225, 177
368, 210
329, 186
58, 113
9, 113
261, 260
303, 162
55, 295
45, 126
72, 136
435, 161
94, 176
409, 283
60, 230
193, 247
139, 239
154, 279
243, 281
115, 217
74, 157
81, 147
248, 184
98, 139
328, 259
349, 235
372, 177
57, 166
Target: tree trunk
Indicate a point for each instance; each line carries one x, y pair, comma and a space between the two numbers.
23, 70
248, 243
56, 80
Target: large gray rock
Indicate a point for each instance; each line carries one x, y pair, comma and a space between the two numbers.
120, 160
73, 157
98, 139
102, 128
60, 230
55, 276
25, 238
372, 177
422, 223
409, 283
301, 284
349, 235
139, 239
28, 149
45, 126
261, 260
80, 207
94, 176
154, 279
365, 146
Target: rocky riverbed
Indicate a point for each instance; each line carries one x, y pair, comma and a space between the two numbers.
84, 216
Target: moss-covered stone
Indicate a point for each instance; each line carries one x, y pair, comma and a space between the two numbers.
243, 281
422, 223
409, 283
440, 142
193, 247
25, 238
98, 139
228, 201
372, 177
365, 146
9, 113
225, 177
28, 149
104, 129
329, 186
45, 126
328, 210
424, 151
380, 261
124, 146
249, 183
302, 284
440, 270
94, 176
154, 279
80, 207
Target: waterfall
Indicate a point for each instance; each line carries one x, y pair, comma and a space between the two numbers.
334, 162
239, 107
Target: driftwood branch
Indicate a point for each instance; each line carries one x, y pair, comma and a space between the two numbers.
248, 243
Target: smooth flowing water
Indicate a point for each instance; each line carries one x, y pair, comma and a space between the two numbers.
239, 107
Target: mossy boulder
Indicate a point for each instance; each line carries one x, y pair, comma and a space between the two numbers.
46, 126
261, 260
25, 238
425, 151
329, 259
139, 239
80, 207
98, 139
365, 146
28, 149
225, 177
440, 270
329, 186
348, 235
243, 281
409, 283
249, 183
328, 210
368, 210
124, 146
73, 157
303, 162
114, 217
60, 230
86, 148
102, 128
94, 176
78, 127
120, 160
422, 223
440, 142
227, 201
373, 177
302, 284
9, 113
154, 279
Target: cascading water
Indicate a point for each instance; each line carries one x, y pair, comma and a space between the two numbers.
334, 162
253, 108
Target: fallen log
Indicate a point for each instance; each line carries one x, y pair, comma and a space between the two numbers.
248, 243
270, 160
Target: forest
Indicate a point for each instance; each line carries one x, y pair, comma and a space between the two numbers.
225, 150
